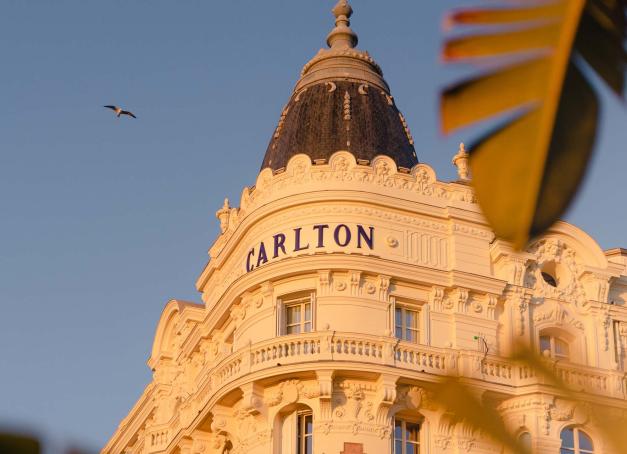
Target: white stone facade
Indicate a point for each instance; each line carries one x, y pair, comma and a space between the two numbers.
350, 247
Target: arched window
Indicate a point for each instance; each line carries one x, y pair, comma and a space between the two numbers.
575, 441
555, 347
305, 432
294, 430
525, 440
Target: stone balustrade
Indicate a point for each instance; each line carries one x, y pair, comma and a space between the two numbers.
387, 351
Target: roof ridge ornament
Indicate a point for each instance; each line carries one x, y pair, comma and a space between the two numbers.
460, 160
342, 60
342, 36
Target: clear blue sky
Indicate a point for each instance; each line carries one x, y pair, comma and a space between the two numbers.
103, 220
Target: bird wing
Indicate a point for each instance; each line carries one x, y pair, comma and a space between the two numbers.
111, 107
126, 112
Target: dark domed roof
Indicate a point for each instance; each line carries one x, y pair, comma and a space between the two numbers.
341, 102
340, 115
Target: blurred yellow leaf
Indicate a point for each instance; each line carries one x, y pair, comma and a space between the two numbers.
526, 172
459, 399
610, 427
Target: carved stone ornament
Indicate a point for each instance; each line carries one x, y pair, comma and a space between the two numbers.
557, 315
460, 160
223, 215
289, 392
436, 298
342, 167
443, 442
410, 397
606, 322
391, 241
556, 255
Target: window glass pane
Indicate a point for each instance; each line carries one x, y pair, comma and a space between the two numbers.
411, 319
566, 451
413, 335
399, 316
307, 327
525, 440
545, 343
411, 449
568, 439
399, 332
398, 430
293, 314
585, 443
398, 447
413, 431
295, 329
561, 347
305, 438
308, 312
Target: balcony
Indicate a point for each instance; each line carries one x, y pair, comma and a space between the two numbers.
384, 351
387, 351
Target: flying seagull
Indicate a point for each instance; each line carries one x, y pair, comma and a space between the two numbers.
118, 111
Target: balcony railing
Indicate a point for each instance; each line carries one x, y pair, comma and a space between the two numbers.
387, 351
334, 346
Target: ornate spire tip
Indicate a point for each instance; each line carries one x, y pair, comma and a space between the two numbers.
342, 8
342, 36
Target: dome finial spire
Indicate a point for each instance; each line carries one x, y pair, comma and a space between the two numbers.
342, 36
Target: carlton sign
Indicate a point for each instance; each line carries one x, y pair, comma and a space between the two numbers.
317, 236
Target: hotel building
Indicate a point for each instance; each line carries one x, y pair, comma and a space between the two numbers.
349, 280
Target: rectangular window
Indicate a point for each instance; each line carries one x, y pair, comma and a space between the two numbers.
407, 323
406, 437
297, 314
561, 349
555, 347
305, 433
545, 344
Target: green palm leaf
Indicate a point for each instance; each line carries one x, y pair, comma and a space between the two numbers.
526, 172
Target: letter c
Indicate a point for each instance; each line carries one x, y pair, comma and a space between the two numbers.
250, 267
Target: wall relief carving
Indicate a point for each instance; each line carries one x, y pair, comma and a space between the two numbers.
555, 259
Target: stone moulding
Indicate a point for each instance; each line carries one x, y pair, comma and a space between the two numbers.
343, 173
342, 169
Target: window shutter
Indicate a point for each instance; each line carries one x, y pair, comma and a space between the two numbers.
314, 312
391, 317
279, 317
425, 323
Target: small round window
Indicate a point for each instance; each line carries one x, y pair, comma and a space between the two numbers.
549, 279
549, 273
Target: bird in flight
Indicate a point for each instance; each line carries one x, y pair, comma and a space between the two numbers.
118, 111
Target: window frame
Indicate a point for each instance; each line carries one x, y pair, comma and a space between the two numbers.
553, 339
302, 299
302, 435
422, 319
576, 449
526, 439
404, 421
404, 309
